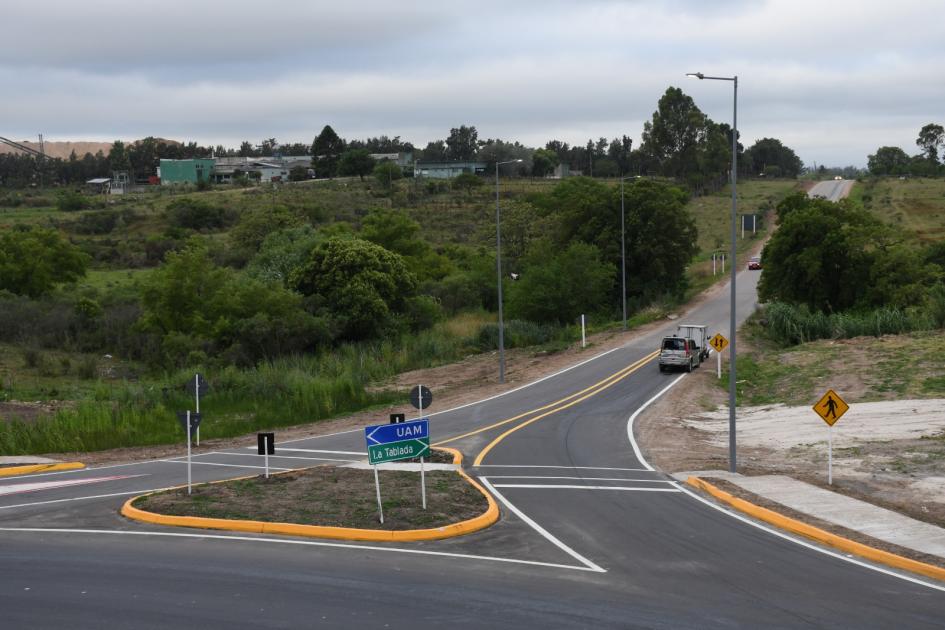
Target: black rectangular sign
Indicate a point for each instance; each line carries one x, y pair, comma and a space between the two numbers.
397, 418
266, 442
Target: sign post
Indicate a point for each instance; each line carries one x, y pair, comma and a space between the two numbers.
195, 386
830, 408
583, 336
423, 476
266, 446
391, 442
719, 343
377, 486
189, 421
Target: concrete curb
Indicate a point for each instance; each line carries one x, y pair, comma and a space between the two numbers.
487, 518
10, 471
817, 534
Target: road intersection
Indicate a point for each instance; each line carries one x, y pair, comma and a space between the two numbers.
591, 535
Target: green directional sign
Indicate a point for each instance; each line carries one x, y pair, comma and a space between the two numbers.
392, 451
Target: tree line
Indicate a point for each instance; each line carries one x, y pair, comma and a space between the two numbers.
894, 161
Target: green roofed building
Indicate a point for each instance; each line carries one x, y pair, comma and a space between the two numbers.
184, 171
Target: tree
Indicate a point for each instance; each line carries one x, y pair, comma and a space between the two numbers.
254, 225
435, 151
888, 161
770, 152
931, 139
467, 181
360, 285
560, 288
118, 157
387, 172
33, 261
673, 135
821, 256
298, 174
247, 149
620, 152
395, 231
462, 143
326, 149
356, 162
544, 162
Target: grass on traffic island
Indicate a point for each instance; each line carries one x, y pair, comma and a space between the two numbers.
329, 496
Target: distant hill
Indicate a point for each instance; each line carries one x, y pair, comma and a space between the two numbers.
65, 148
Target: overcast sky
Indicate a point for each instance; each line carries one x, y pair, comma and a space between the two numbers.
832, 79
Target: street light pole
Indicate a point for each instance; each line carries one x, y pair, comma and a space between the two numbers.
498, 269
623, 249
734, 266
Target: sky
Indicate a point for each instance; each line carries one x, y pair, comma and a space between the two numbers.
834, 80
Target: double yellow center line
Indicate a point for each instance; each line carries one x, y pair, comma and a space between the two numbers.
558, 405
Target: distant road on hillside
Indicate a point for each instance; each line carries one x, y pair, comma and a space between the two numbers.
831, 190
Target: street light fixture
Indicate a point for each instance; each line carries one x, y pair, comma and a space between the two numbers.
498, 269
623, 250
732, 355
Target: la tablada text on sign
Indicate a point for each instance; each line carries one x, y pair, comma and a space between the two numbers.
398, 450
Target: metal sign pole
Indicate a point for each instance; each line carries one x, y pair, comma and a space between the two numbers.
188, 452
266, 449
197, 396
377, 485
583, 337
723, 264
423, 476
830, 455
718, 365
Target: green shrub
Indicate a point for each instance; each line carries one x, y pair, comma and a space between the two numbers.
72, 201
197, 214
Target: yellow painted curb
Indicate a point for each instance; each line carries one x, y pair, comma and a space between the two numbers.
821, 536
35, 468
487, 518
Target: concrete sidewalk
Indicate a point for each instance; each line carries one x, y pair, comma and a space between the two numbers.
838, 509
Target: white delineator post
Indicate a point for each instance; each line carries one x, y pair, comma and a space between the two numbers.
377, 485
197, 396
423, 477
188, 452
583, 336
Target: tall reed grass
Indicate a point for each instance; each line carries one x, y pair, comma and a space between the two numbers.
789, 325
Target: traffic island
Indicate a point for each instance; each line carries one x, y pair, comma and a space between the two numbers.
327, 502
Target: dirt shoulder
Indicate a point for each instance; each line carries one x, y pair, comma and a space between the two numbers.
889, 449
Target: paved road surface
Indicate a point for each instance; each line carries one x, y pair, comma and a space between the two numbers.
832, 189
591, 536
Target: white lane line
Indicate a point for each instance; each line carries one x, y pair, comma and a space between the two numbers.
562, 467
95, 496
804, 543
183, 461
311, 450
633, 442
581, 478
541, 530
564, 487
277, 456
743, 519
37, 486
307, 543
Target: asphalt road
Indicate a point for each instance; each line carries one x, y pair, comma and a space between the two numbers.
832, 189
590, 537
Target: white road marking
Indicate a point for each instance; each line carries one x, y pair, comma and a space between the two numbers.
96, 496
564, 487
312, 450
743, 519
562, 467
580, 478
277, 456
37, 486
633, 442
307, 543
541, 530
183, 461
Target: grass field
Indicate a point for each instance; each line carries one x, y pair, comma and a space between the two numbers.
915, 204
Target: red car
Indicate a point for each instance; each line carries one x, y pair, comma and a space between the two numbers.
754, 262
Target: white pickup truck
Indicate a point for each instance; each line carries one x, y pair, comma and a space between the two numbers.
686, 349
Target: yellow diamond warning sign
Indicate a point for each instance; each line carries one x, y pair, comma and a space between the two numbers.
718, 342
831, 407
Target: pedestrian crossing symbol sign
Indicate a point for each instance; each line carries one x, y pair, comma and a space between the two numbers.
831, 407
718, 342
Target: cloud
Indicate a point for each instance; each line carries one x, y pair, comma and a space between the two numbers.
832, 80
